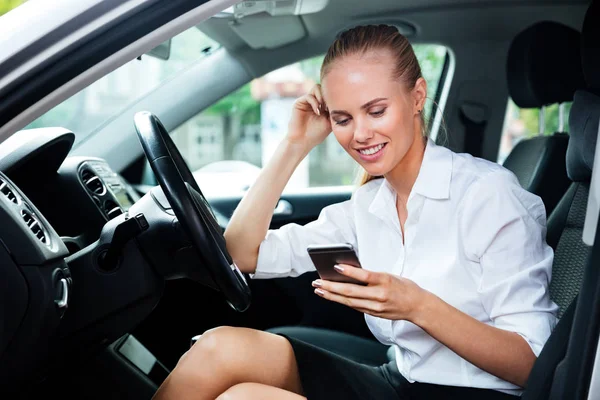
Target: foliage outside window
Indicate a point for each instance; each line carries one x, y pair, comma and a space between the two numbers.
7, 5
524, 123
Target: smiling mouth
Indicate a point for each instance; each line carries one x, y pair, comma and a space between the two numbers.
372, 150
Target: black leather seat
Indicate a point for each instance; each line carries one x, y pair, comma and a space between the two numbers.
538, 163
565, 225
537, 56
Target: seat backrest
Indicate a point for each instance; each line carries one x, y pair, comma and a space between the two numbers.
537, 56
568, 219
565, 225
539, 164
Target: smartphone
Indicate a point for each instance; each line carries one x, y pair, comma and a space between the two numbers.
324, 257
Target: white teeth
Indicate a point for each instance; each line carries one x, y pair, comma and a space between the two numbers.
371, 150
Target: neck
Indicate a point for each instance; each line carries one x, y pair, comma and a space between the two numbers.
403, 176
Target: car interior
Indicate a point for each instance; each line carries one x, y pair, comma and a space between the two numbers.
112, 256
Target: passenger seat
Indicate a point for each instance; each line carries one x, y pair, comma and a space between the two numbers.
559, 368
541, 70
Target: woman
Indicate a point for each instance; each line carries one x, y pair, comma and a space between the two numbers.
453, 252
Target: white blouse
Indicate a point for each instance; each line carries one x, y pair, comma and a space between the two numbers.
473, 237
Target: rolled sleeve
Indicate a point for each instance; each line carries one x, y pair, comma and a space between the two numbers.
505, 229
283, 251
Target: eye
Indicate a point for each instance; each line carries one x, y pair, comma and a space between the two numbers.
377, 113
343, 122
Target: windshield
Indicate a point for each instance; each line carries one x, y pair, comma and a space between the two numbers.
97, 104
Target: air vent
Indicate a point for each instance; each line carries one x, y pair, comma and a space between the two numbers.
35, 226
92, 182
8, 192
112, 209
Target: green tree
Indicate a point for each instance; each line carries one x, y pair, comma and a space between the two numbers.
531, 118
431, 59
237, 109
7, 5
239, 102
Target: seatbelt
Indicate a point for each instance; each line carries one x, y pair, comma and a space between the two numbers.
473, 116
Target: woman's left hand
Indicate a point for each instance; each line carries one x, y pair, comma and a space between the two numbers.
385, 296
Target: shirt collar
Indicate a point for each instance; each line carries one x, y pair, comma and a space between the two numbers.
433, 180
435, 174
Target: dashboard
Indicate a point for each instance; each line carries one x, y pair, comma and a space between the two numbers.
57, 214
84, 256
77, 195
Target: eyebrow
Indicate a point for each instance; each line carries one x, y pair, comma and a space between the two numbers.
363, 107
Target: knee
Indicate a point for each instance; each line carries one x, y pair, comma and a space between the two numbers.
241, 391
215, 348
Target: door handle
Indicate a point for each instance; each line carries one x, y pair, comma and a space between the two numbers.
283, 208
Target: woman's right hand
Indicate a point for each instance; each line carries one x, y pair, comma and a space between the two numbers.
310, 122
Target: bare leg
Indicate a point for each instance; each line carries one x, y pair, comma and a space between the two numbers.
257, 391
226, 356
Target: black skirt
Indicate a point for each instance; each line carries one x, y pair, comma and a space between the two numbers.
325, 375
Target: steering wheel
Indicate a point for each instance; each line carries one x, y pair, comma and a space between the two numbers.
191, 208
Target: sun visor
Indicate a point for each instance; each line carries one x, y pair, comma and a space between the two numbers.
264, 31
277, 7
593, 207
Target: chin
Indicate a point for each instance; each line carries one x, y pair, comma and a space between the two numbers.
379, 168
376, 171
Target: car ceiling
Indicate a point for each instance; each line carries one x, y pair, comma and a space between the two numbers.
441, 21
478, 33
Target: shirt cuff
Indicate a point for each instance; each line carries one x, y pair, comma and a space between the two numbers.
536, 348
270, 263
535, 328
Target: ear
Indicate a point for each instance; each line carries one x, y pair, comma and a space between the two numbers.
419, 94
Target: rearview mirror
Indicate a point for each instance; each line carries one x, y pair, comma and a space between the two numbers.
162, 51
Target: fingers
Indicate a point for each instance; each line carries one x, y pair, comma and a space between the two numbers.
314, 103
362, 305
316, 92
351, 290
314, 100
369, 277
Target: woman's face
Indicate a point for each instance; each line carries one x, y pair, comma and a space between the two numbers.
373, 116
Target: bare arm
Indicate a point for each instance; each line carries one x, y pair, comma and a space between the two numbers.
308, 127
252, 217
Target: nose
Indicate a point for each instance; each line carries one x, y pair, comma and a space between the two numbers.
362, 131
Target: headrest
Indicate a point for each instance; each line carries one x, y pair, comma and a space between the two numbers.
543, 65
590, 47
584, 119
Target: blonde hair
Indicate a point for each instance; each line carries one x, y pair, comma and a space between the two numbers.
360, 40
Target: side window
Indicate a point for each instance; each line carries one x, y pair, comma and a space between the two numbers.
93, 107
524, 123
226, 144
